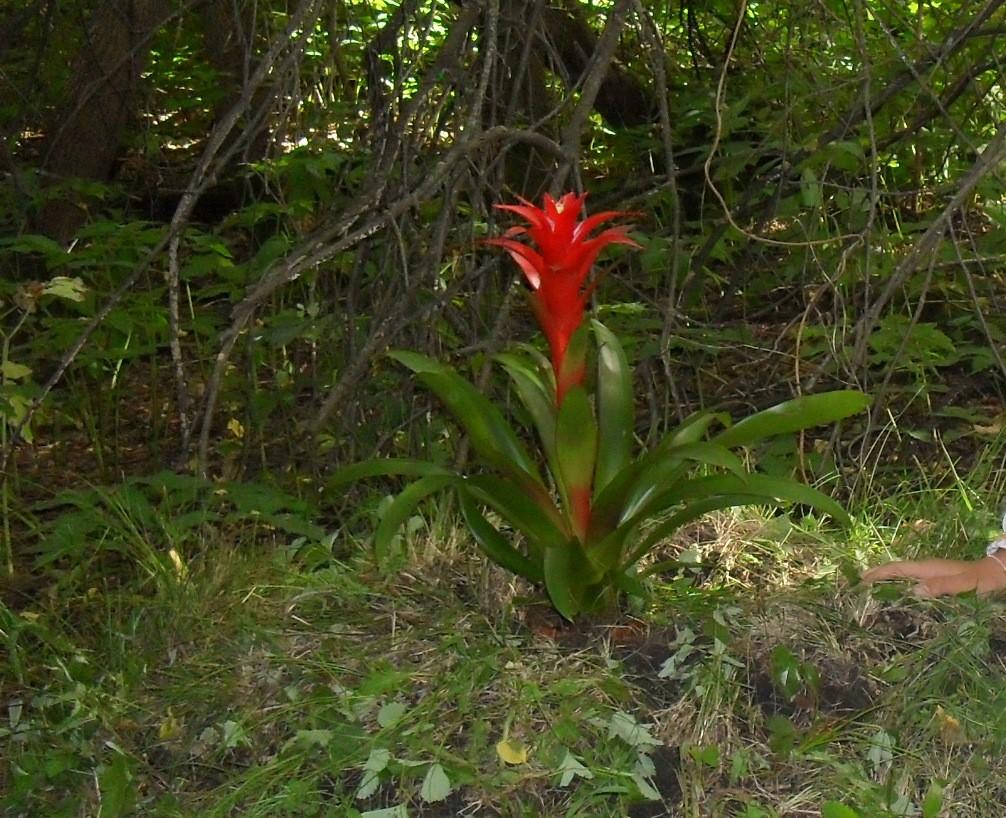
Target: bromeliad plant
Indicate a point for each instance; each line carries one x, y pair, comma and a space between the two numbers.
582, 529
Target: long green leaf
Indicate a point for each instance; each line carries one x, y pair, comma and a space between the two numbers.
541, 524
793, 416
542, 364
576, 451
490, 435
383, 467
494, 544
614, 407
606, 553
538, 400
403, 505
661, 474
629, 583
760, 485
568, 578
611, 501
574, 362
693, 428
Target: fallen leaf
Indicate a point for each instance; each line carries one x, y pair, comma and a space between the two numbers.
950, 729
511, 751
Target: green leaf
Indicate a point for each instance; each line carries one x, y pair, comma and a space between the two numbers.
397, 811
72, 289
390, 713
606, 552
793, 416
376, 763
402, 506
309, 739
614, 407
662, 473
694, 427
576, 441
810, 188
115, 781
537, 400
543, 366
12, 371
436, 785
562, 578
836, 809
708, 755
495, 545
932, 804
382, 468
769, 488
575, 361
624, 726
630, 584
571, 767
611, 502
490, 435
36, 243
536, 518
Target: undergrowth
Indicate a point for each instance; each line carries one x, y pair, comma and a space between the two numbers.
270, 669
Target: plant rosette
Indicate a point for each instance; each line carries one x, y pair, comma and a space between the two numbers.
586, 511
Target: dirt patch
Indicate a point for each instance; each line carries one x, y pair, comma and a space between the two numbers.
840, 688
667, 761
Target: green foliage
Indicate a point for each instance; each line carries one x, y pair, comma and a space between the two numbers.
155, 525
586, 546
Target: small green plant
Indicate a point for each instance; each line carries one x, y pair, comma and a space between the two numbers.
17, 388
601, 509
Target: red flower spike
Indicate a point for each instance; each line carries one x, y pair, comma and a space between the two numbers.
557, 268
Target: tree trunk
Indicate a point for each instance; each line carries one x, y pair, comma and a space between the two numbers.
84, 138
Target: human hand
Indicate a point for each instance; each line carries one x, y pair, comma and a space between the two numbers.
938, 577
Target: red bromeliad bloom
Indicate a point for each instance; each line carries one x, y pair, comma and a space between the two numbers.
557, 270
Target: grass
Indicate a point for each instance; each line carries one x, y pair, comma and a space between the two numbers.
249, 676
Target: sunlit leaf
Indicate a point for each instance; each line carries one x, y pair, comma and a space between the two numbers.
376, 763
13, 371
576, 452
793, 416
72, 289
536, 397
624, 726
397, 811
775, 489
511, 751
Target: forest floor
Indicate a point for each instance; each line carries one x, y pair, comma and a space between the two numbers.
248, 678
